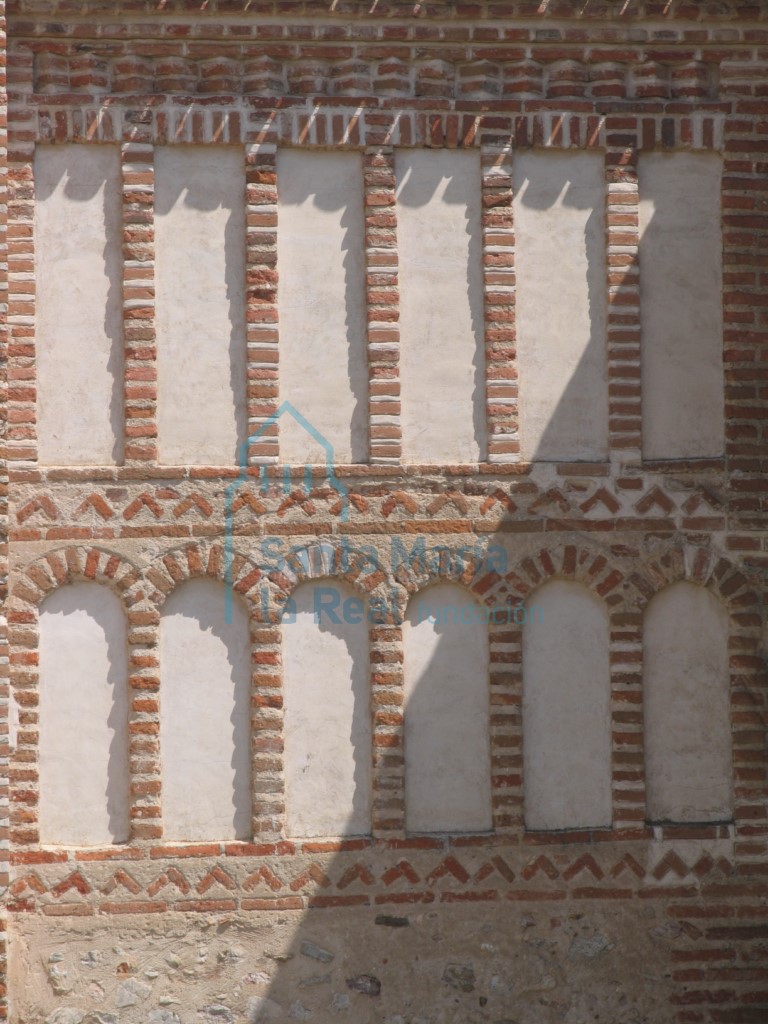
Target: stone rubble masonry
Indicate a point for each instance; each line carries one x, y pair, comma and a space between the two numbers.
615, 78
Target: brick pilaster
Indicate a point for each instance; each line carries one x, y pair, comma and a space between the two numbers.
144, 723
22, 123
503, 444
382, 303
386, 653
267, 779
622, 236
627, 756
261, 292
506, 702
138, 182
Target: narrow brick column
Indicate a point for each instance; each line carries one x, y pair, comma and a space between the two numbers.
23, 771
627, 756
625, 441
499, 288
144, 723
387, 699
506, 697
138, 180
625, 414
267, 780
261, 292
383, 305
21, 438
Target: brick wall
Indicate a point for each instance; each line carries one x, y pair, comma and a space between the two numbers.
615, 79
4, 622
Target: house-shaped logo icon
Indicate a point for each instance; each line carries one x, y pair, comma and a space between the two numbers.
286, 409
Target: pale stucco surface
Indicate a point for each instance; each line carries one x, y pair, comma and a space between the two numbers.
681, 305
323, 357
205, 718
78, 313
441, 305
687, 714
83, 708
560, 304
447, 753
200, 283
327, 717
566, 709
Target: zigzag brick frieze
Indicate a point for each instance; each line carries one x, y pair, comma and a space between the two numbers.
187, 508
369, 873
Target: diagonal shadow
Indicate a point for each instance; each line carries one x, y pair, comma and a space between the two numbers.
336, 959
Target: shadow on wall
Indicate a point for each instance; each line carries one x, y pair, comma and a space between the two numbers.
321, 243
327, 724
565, 411
73, 170
84, 656
561, 274
197, 179
447, 712
427, 180
560, 266
205, 715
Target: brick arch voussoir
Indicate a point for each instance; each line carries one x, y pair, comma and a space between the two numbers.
595, 569
700, 565
44, 575
76, 563
741, 597
326, 560
470, 572
200, 560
